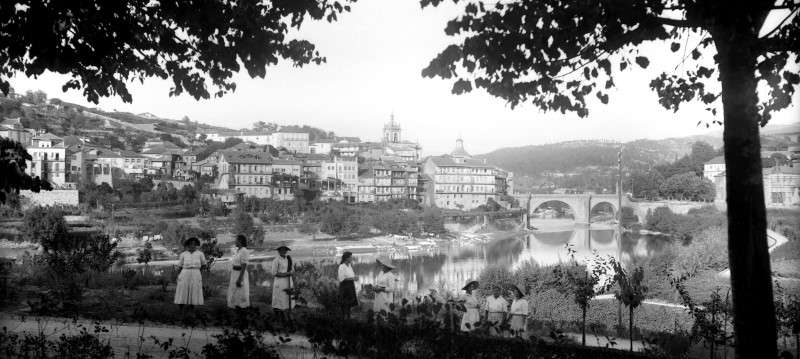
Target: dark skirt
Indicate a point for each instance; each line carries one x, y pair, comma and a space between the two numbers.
347, 293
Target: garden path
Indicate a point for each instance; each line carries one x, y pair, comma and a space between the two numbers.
125, 338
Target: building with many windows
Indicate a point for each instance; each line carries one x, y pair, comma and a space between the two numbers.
247, 172
344, 170
48, 159
458, 181
714, 167
781, 188
382, 181
12, 129
291, 141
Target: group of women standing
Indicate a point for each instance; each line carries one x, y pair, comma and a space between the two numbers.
494, 311
189, 290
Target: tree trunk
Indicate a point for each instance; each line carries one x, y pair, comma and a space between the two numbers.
583, 328
630, 326
751, 280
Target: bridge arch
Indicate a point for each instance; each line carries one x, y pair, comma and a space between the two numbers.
553, 208
603, 209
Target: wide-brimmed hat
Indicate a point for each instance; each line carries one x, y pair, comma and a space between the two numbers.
191, 240
470, 283
386, 262
517, 290
283, 248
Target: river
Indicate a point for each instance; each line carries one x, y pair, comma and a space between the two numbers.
451, 264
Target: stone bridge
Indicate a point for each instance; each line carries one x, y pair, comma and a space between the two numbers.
580, 204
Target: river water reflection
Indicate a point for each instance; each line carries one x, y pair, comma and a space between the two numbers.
451, 265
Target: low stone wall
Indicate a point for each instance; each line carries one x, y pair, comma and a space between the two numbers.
57, 197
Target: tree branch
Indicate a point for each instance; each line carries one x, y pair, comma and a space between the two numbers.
674, 22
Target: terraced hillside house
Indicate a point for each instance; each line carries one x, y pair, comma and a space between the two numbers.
383, 181
49, 159
12, 129
246, 172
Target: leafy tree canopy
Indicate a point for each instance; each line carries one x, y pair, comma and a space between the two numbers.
556, 54
104, 45
13, 157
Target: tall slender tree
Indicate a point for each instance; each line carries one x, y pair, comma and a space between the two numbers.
557, 54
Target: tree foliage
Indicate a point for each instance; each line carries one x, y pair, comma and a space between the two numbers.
104, 46
13, 157
44, 225
687, 186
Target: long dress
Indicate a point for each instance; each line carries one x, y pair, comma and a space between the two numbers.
472, 316
347, 288
496, 307
280, 299
190, 281
519, 317
383, 300
239, 296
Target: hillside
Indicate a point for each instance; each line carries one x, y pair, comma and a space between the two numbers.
111, 129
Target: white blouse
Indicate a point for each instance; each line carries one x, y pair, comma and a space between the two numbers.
241, 256
519, 307
280, 265
346, 272
387, 280
496, 305
191, 260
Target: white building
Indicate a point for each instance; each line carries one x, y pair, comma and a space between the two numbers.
714, 167
49, 159
292, 141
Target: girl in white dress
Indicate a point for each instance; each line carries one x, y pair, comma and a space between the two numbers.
472, 304
496, 309
239, 285
519, 313
385, 286
282, 269
190, 283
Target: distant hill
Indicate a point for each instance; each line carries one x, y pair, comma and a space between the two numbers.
574, 155
111, 129
593, 163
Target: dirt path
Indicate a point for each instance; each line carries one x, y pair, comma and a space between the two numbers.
128, 339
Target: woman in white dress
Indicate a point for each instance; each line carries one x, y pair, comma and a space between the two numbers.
496, 309
282, 269
190, 282
347, 287
239, 285
472, 304
385, 286
519, 313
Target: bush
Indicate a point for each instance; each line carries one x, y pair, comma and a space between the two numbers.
424, 338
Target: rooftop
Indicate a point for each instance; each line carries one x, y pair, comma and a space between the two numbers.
450, 161
719, 160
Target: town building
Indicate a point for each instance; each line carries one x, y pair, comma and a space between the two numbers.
322, 147
49, 160
344, 170
297, 142
382, 181
714, 167
781, 187
12, 129
249, 173
458, 181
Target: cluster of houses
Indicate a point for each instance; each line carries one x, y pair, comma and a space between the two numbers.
276, 164
781, 176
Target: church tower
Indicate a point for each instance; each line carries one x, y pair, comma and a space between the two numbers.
391, 131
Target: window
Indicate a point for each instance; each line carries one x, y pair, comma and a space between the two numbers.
777, 197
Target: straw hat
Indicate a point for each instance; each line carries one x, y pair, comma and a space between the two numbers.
517, 290
386, 262
283, 248
470, 283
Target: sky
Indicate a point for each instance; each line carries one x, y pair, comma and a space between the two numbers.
375, 55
